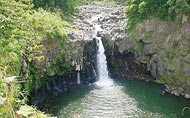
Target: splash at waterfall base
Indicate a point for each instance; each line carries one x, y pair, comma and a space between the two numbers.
119, 65
103, 76
117, 99
94, 62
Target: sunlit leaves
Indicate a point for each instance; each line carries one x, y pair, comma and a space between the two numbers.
138, 10
21, 31
179, 6
29, 112
66, 6
26, 111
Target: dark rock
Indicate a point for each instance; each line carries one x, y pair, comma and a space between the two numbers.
115, 13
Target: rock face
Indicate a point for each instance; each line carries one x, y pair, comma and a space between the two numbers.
78, 50
106, 21
160, 49
93, 20
165, 48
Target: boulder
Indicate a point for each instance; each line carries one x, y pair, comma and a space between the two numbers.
187, 96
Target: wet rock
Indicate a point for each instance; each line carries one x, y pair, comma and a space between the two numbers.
187, 96
178, 92
175, 92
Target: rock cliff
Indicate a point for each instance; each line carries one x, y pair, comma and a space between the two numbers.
164, 47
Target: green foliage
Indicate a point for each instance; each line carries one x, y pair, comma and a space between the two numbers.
179, 6
16, 38
26, 111
63, 67
22, 31
139, 10
68, 7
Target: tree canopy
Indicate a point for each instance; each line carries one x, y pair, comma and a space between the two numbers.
22, 28
138, 10
66, 6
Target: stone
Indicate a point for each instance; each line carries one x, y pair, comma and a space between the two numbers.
187, 96
175, 92
115, 13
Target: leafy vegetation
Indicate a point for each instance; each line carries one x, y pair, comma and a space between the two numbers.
26, 111
68, 7
22, 31
138, 10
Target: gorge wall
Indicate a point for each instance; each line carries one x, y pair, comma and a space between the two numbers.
164, 47
159, 51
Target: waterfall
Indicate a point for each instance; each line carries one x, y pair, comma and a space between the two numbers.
78, 77
102, 72
103, 78
94, 71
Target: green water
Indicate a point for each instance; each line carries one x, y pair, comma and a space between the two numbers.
126, 99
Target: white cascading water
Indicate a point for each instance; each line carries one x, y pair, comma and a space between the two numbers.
78, 77
103, 77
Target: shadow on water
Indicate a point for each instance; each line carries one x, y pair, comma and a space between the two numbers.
69, 97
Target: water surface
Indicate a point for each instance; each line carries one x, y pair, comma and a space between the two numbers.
125, 99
